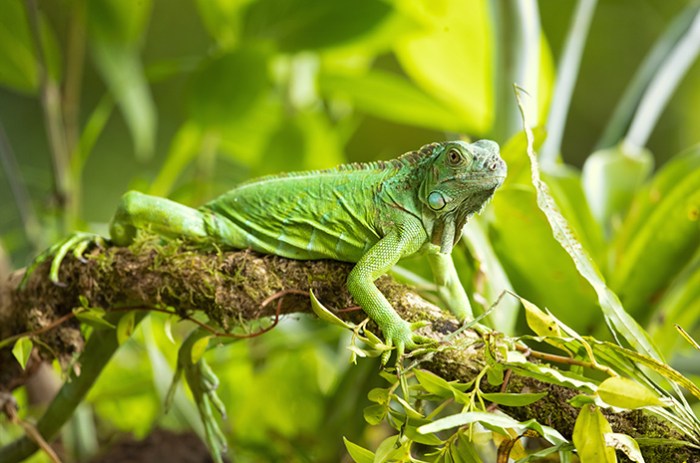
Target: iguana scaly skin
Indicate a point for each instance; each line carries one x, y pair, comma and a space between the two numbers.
372, 214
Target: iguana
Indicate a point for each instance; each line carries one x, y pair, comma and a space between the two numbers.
372, 214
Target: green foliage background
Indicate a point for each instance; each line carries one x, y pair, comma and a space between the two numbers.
187, 98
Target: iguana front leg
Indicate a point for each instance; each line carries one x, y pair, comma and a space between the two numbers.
376, 262
449, 287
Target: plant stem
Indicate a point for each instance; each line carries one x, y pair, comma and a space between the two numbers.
53, 119
566, 80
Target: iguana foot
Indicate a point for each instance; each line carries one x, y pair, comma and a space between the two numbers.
402, 337
76, 243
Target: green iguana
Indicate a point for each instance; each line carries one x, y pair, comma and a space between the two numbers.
372, 214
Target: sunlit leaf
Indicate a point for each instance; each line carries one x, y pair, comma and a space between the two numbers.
199, 347
539, 321
125, 327
589, 436
457, 29
433, 383
627, 393
93, 316
400, 100
326, 315
625, 444
22, 350
358, 454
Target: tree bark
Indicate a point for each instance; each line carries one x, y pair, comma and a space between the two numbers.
230, 287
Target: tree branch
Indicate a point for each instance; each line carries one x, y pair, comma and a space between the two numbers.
231, 286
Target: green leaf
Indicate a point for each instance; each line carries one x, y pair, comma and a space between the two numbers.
625, 444
379, 395
374, 414
22, 350
581, 400
513, 400
125, 327
613, 311
400, 101
661, 233
626, 393
223, 19
357, 453
296, 25
199, 347
410, 411
495, 422
429, 54
93, 316
522, 226
17, 62
611, 177
325, 314
540, 322
116, 29
226, 88
183, 150
589, 436
433, 383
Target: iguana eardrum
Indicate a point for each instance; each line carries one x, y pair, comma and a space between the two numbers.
372, 214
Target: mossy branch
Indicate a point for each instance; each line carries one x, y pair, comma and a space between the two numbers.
231, 286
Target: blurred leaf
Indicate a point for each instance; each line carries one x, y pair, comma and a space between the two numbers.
451, 57
183, 149
226, 88
680, 305
537, 267
18, 61
296, 25
611, 177
589, 431
400, 100
223, 19
115, 30
199, 347
626, 393
125, 327
93, 316
357, 453
22, 350
636, 88
661, 232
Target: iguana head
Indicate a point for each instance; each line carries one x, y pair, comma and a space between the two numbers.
461, 178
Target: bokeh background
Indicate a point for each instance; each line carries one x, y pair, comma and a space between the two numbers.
186, 98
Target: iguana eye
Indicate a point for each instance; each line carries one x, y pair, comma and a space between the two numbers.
454, 157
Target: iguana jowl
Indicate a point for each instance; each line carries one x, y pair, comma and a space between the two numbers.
372, 214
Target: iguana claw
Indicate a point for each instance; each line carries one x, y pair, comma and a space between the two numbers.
402, 336
76, 243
